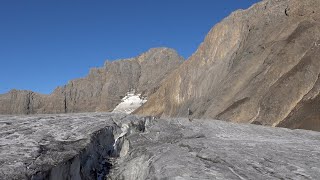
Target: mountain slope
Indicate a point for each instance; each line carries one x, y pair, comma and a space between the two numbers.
101, 90
259, 65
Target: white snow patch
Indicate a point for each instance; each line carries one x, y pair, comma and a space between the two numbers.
129, 103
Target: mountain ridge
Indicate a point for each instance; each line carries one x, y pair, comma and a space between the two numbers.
253, 67
101, 89
259, 65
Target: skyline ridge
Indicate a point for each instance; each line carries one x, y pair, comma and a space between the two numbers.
45, 44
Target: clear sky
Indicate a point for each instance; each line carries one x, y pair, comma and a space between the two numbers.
45, 43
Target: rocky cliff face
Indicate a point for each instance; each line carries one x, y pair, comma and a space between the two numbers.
101, 90
259, 65
20, 102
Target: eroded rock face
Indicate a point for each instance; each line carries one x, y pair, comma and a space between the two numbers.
102, 89
119, 146
259, 65
20, 102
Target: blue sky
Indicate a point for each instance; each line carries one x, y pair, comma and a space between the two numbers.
45, 43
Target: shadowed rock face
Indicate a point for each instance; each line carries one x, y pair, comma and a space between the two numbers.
101, 90
259, 65
95, 145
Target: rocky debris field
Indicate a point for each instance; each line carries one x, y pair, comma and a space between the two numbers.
119, 146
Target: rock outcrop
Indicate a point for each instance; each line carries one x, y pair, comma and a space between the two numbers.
118, 146
20, 102
260, 65
102, 89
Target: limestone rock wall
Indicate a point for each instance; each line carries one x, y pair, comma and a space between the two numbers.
101, 90
259, 65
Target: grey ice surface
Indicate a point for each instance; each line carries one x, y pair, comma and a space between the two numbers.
167, 149
32, 144
210, 149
